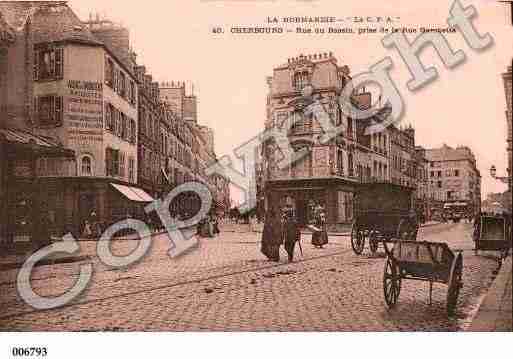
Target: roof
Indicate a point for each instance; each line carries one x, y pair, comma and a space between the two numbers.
20, 137
51, 21
447, 153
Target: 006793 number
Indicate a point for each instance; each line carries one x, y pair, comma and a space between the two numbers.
18, 352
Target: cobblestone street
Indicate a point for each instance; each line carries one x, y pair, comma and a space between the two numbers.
227, 284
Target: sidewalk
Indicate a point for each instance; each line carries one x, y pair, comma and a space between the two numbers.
244, 228
495, 312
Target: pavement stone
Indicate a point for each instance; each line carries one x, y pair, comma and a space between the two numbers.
228, 285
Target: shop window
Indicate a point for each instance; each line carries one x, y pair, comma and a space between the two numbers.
48, 111
86, 166
48, 63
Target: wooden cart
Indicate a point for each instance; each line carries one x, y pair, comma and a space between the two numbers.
424, 261
384, 211
492, 233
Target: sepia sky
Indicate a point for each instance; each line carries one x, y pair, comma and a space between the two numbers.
174, 39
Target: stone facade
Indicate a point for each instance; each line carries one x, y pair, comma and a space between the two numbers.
77, 85
330, 172
453, 175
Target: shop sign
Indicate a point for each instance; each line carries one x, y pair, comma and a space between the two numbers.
84, 113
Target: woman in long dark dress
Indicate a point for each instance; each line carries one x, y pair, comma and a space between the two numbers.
320, 237
271, 236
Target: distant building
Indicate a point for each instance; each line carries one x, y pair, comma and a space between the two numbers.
453, 175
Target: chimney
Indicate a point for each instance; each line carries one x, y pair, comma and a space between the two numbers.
116, 39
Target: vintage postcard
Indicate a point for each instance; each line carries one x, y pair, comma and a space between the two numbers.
254, 166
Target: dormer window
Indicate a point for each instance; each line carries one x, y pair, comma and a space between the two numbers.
301, 79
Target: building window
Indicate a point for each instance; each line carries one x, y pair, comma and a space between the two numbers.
439, 184
142, 120
86, 166
349, 127
122, 84
300, 80
131, 166
48, 63
456, 173
340, 162
121, 164
133, 131
109, 72
48, 111
439, 173
124, 127
112, 162
109, 117
350, 169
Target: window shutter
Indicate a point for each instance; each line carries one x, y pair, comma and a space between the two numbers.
58, 103
36, 64
59, 63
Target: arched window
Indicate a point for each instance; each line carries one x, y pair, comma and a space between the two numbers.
86, 166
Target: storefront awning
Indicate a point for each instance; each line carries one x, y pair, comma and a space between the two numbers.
132, 193
20, 140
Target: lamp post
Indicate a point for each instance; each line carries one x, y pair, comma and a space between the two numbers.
505, 180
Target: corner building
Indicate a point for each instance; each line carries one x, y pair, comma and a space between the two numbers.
331, 172
84, 97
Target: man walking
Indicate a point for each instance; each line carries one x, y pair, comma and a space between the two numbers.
290, 230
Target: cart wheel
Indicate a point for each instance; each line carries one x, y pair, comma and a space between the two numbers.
357, 239
373, 241
391, 283
455, 283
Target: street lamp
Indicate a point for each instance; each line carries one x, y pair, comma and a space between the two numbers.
493, 173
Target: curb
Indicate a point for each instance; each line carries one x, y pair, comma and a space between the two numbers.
495, 312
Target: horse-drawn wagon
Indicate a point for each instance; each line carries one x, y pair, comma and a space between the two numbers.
384, 211
493, 233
